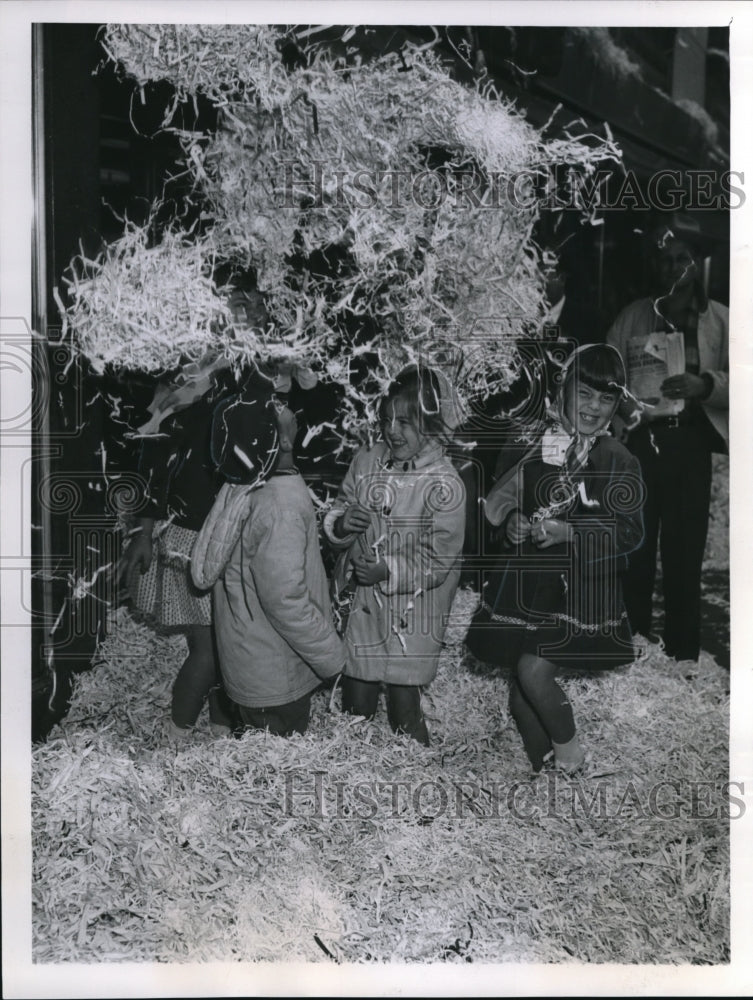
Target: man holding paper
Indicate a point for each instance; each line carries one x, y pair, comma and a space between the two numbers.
675, 346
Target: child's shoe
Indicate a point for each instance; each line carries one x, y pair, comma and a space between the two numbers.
221, 714
176, 734
546, 765
574, 770
569, 757
219, 730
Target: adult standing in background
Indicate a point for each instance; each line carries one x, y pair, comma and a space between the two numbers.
674, 449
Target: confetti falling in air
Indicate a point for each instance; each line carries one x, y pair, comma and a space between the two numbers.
371, 199
151, 307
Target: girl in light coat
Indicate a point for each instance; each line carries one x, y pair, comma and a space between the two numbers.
399, 520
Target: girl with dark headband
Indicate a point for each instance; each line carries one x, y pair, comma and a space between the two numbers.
569, 512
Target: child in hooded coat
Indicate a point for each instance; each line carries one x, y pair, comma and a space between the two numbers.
399, 522
259, 551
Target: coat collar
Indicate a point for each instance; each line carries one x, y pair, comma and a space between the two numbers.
428, 457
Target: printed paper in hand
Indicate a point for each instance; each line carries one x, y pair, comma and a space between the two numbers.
650, 360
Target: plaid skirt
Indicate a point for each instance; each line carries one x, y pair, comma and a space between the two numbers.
165, 595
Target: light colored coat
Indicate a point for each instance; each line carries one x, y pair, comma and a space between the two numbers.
272, 610
395, 628
640, 318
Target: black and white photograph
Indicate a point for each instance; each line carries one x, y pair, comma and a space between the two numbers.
376, 402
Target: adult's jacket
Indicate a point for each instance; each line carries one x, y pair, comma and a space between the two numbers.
640, 318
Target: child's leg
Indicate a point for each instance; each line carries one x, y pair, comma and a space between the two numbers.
360, 697
404, 711
282, 720
221, 710
549, 701
196, 677
535, 738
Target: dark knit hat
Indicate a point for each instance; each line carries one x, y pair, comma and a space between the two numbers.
244, 433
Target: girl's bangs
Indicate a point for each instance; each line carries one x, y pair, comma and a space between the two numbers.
600, 367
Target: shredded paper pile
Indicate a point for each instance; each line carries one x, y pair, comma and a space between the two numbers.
349, 844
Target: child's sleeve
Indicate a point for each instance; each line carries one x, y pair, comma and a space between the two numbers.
619, 529
157, 459
429, 551
277, 560
345, 497
505, 496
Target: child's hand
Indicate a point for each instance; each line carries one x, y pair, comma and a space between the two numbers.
138, 555
369, 571
354, 521
546, 533
518, 527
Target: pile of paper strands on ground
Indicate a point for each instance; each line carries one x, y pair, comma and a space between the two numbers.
352, 845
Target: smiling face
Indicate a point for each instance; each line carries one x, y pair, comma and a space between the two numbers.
589, 410
400, 431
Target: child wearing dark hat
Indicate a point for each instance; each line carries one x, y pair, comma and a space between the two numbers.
259, 551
